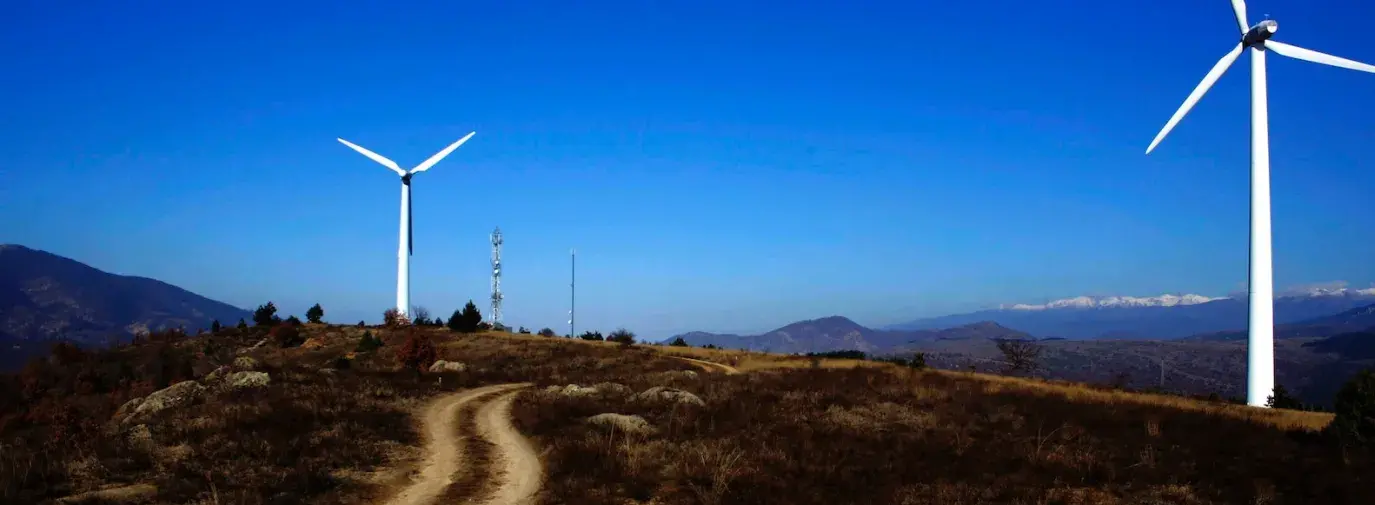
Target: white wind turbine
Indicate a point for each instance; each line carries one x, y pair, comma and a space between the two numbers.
1260, 366
403, 253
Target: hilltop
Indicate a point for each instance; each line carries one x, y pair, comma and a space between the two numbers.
837, 333
321, 417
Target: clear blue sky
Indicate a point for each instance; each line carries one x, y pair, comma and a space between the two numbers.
726, 166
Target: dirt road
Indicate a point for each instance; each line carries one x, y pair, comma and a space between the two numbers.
711, 366
444, 455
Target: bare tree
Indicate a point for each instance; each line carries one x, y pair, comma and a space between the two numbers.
1020, 356
419, 314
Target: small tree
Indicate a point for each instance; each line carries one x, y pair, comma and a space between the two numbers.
679, 342
394, 318
1354, 407
592, 335
1020, 356
547, 332
1283, 400
315, 313
523, 331
266, 315
214, 326
242, 325
918, 361
291, 320
362, 324
416, 353
501, 327
468, 320
621, 336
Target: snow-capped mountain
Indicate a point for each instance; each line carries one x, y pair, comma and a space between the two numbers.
1164, 316
1088, 302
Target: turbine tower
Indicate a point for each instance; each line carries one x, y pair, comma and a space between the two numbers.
406, 246
572, 288
496, 276
1260, 366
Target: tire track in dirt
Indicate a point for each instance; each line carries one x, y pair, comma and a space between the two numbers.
518, 471
445, 458
711, 366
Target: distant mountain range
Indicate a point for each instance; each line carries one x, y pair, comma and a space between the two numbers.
1160, 317
45, 297
837, 333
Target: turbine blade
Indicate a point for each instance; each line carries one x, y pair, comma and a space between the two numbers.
440, 155
1316, 57
375, 157
1239, 7
1208, 80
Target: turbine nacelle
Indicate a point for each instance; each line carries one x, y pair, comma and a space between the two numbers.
1260, 33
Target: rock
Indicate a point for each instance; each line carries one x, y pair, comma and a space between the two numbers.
141, 438
176, 395
313, 343
245, 380
447, 366
246, 363
216, 375
575, 391
260, 343
128, 408
679, 374
622, 422
613, 389
663, 394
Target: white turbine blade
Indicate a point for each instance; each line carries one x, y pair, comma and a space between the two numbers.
1239, 7
440, 155
375, 157
1208, 80
1316, 57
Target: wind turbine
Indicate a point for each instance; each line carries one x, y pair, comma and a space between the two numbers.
1260, 366
406, 246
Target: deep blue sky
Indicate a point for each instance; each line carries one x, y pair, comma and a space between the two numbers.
727, 166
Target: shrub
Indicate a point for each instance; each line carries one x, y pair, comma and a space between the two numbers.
420, 316
286, 335
417, 352
591, 335
215, 326
368, 342
501, 327
1283, 400
393, 318
266, 315
679, 342
1020, 356
315, 313
918, 361
293, 321
242, 325
362, 324
621, 336
523, 331
547, 332
1354, 407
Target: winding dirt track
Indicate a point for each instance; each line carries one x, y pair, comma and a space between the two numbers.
711, 366
444, 457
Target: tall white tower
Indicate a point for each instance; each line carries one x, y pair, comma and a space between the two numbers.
496, 276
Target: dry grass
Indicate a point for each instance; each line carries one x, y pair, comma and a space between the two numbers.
868, 435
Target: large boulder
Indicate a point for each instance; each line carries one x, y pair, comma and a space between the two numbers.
246, 363
447, 366
613, 389
176, 395
624, 423
245, 380
660, 394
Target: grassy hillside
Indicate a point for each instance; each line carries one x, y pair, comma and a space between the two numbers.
338, 426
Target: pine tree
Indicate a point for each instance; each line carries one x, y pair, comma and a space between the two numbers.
266, 315
467, 320
214, 326
315, 313
242, 325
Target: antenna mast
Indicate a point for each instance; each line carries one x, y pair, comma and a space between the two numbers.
496, 276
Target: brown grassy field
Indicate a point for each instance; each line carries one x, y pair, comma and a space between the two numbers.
336, 426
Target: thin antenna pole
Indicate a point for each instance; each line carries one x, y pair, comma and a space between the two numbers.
496, 276
572, 290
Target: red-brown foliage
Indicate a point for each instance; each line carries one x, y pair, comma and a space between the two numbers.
417, 352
